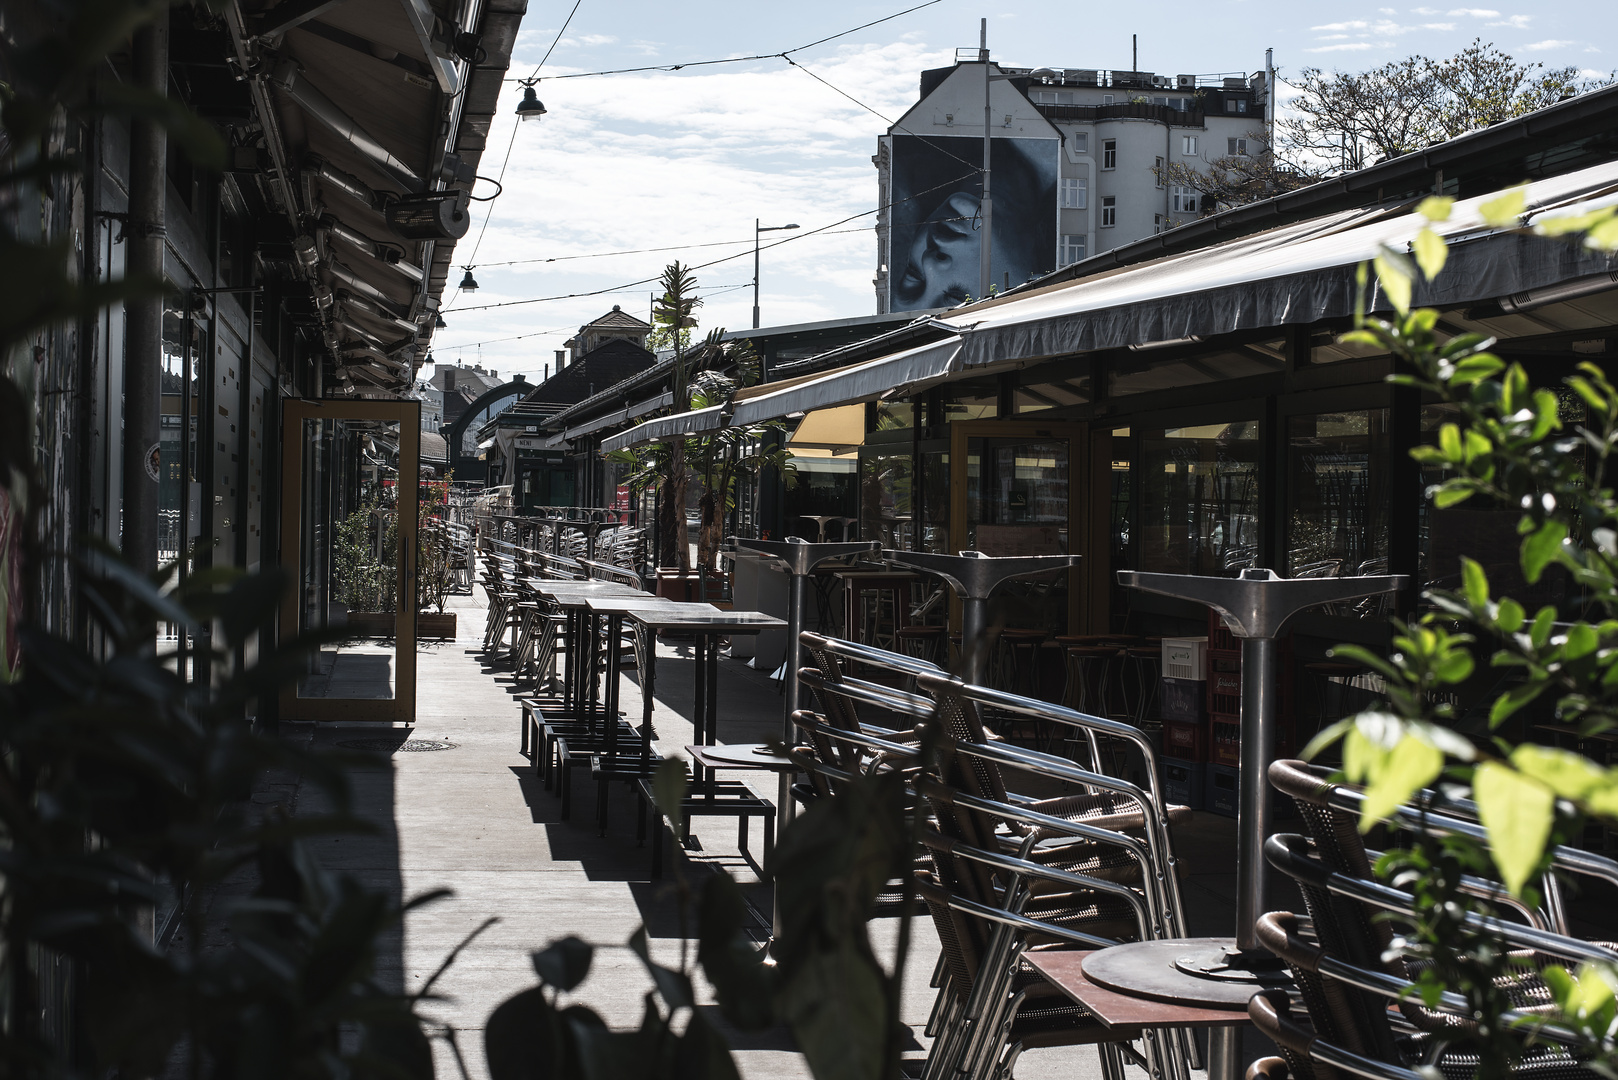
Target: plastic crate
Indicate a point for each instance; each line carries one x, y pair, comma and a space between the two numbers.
1221, 788
1225, 692
1185, 700
1181, 781
1224, 740
1185, 658
1185, 741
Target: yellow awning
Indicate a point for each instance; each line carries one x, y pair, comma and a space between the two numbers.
837, 428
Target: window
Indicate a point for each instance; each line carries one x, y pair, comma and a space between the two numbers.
1157, 224
1183, 200
1073, 248
1052, 97
1188, 145
1075, 193
1109, 153
1241, 105
1199, 498
1106, 99
1230, 105
1081, 142
1338, 496
1237, 147
1157, 170
1109, 211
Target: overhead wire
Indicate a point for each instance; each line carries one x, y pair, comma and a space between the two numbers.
735, 59
641, 251
723, 259
510, 143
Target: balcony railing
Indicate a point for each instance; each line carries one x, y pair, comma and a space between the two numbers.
1126, 110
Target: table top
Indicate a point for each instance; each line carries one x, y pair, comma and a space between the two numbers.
1153, 969
1064, 969
622, 605
557, 589
679, 617
873, 574
741, 756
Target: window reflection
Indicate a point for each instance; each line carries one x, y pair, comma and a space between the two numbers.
1337, 494
1199, 498
886, 489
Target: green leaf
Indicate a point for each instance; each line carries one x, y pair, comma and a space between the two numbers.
1451, 493
668, 790
1540, 548
1431, 253
1409, 767
1581, 641
836, 1005
1509, 616
1435, 207
1503, 211
1517, 812
1475, 582
1572, 776
1395, 283
564, 963
1512, 700
1449, 441
1591, 396
1325, 737
1604, 237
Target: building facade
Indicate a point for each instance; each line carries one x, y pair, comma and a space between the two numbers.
1077, 167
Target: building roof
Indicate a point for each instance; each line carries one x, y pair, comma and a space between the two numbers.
434, 450
605, 366
616, 319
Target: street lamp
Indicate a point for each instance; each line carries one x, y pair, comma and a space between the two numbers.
759, 230
530, 107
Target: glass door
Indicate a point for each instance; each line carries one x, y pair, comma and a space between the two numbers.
350, 477
1018, 488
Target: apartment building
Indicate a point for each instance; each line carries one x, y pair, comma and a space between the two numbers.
1076, 166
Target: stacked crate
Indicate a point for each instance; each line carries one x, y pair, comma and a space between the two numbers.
1183, 708
1223, 768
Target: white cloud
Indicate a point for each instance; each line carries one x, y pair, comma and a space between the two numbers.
1515, 22
1591, 48
1424, 11
1476, 13
1331, 37
665, 159
597, 39
1387, 11
1353, 46
1548, 43
1382, 27
1357, 24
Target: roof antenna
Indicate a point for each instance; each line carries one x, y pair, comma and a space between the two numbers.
1134, 52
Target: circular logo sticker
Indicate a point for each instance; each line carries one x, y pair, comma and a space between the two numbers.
154, 461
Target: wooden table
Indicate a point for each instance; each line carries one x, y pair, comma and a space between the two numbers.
1130, 1014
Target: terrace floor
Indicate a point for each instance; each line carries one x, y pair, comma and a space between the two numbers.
474, 819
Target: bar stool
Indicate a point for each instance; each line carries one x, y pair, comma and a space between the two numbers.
924, 642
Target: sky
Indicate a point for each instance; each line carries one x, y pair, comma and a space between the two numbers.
689, 159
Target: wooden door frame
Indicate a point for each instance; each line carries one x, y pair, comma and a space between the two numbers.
1083, 594
407, 414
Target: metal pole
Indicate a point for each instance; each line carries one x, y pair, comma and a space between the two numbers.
785, 809
1261, 702
143, 348
986, 207
974, 638
756, 231
1269, 101
1224, 1060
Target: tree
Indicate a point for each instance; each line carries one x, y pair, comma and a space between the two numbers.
1237, 179
1515, 446
1342, 121
674, 314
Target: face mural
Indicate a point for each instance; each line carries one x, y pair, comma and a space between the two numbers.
937, 189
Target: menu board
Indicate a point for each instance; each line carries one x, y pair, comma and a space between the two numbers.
1009, 540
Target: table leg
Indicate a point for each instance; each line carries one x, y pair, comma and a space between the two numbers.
699, 709
614, 665
1224, 1054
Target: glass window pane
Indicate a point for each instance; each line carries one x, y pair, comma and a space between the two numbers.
1199, 498
1052, 393
886, 508
1338, 497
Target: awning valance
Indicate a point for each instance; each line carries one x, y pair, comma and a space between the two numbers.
667, 427
899, 373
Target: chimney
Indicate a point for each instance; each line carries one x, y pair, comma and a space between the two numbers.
518, 378
561, 358
547, 376
449, 378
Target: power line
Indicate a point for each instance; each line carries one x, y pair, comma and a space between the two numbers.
736, 59
711, 290
511, 142
974, 165
637, 251
722, 259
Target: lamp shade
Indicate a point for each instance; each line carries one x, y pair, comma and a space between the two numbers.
530, 107
469, 283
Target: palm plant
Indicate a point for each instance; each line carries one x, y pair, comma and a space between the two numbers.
674, 313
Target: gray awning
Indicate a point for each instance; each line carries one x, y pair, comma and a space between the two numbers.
1298, 274
898, 374
667, 427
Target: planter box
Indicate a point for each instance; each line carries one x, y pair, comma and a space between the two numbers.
436, 624
371, 623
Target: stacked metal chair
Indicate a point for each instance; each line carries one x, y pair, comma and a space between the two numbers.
1349, 972
1002, 873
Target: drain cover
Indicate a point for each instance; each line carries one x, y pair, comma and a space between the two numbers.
395, 746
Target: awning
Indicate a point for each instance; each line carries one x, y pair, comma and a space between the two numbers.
667, 427
836, 428
901, 373
1298, 274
